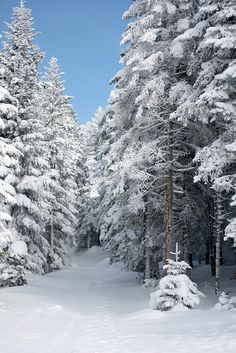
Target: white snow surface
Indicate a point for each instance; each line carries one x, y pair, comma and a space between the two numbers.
92, 307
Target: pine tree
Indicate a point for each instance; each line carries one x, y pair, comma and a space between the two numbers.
214, 106
20, 58
128, 168
63, 153
225, 302
12, 264
148, 148
9, 156
88, 191
175, 288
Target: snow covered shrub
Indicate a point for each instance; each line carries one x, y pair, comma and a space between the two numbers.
12, 265
175, 288
55, 262
225, 302
12, 275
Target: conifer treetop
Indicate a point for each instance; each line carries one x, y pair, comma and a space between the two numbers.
177, 252
22, 4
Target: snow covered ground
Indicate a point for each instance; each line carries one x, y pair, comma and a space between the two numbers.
94, 308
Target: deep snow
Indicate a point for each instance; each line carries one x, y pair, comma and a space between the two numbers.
94, 308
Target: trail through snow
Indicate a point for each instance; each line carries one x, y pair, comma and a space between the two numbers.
94, 308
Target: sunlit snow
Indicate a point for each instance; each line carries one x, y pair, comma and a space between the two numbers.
91, 307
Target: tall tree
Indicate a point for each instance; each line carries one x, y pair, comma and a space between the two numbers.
9, 164
63, 153
20, 58
214, 102
148, 156
88, 234
12, 264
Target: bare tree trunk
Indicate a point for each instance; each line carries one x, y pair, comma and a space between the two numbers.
89, 242
210, 244
212, 249
147, 272
51, 217
51, 234
187, 253
169, 217
147, 242
218, 232
185, 243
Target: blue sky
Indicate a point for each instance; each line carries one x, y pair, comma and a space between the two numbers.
84, 35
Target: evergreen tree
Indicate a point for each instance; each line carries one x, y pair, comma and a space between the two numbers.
214, 105
88, 191
20, 58
9, 163
225, 302
63, 153
148, 149
12, 264
175, 288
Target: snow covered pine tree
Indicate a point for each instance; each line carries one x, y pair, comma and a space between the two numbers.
13, 252
176, 288
45, 195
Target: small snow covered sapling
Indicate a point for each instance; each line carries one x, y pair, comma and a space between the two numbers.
225, 302
175, 288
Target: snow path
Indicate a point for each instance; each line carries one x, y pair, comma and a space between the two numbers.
93, 308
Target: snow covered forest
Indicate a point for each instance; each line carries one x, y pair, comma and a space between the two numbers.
151, 180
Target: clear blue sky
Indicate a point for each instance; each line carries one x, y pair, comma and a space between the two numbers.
84, 35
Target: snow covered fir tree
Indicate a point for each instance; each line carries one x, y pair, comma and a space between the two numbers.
13, 258
40, 154
225, 302
175, 289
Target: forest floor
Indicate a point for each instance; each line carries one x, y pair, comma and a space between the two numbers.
92, 307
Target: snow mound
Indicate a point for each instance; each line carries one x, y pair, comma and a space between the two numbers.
225, 302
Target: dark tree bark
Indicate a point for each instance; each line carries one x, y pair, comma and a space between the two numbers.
218, 235
169, 193
147, 241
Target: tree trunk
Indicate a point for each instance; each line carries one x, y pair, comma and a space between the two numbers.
89, 242
51, 234
52, 211
185, 244
169, 241
218, 231
147, 242
210, 245
187, 253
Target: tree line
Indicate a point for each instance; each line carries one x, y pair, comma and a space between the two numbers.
165, 144
40, 154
